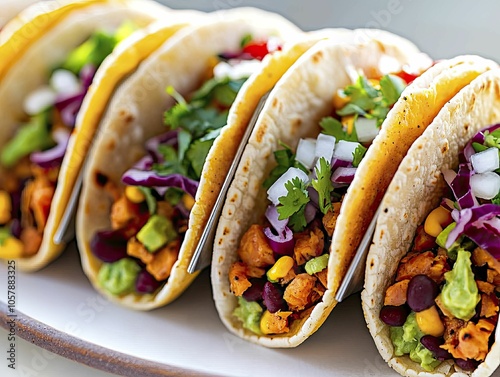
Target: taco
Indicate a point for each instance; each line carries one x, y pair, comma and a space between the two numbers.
42, 88
433, 271
278, 263
10, 8
153, 176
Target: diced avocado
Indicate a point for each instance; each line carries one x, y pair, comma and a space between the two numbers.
443, 236
460, 294
31, 137
119, 277
249, 312
424, 357
317, 264
157, 232
405, 338
406, 341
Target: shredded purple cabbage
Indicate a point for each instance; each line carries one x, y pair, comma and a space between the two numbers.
461, 187
478, 138
53, 157
135, 177
480, 224
69, 106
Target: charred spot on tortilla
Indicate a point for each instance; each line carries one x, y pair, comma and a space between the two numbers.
111, 145
445, 148
226, 231
126, 116
316, 58
234, 198
101, 179
275, 102
261, 132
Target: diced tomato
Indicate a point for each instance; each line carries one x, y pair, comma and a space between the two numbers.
407, 76
256, 49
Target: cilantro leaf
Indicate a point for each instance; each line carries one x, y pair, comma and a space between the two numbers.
333, 127
361, 95
479, 147
183, 140
173, 195
496, 199
197, 154
351, 108
358, 154
247, 38
323, 185
150, 199
391, 87
294, 203
285, 159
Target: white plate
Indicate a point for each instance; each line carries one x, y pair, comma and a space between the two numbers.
186, 334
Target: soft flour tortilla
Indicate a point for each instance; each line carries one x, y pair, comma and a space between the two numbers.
10, 8
416, 189
300, 99
30, 71
135, 114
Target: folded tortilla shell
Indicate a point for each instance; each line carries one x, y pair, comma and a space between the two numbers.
416, 189
29, 71
135, 114
300, 99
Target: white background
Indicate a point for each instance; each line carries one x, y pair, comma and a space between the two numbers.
442, 29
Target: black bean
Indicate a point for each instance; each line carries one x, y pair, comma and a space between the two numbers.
433, 344
394, 315
422, 291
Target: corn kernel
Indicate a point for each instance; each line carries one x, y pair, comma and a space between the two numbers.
348, 122
5, 207
134, 194
340, 100
267, 319
280, 268
188, 201
429, 322
12, 248
436, 221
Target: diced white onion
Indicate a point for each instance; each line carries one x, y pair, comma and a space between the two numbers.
366, 129
237, 69
274, 43
325, 145
485, 185
485, 161
344, 150
388, 64
277, 190
65, 82
39, 100
306, 152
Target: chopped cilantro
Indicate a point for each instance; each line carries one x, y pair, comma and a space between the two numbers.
173, 195
358, 154
150, 199
294, 203
200, 121
247, 38
492, 140
391, 87
333, 127
323, 185
197, 154
478, 147
285, 159
496, 199
372, 102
